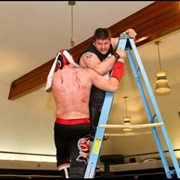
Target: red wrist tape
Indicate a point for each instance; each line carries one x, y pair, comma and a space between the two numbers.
118, 70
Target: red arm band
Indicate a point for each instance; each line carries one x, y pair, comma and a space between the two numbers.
117, 70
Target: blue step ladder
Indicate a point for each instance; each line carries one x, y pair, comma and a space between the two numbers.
128, 44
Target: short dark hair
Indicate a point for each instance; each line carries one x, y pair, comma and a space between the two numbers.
102, 33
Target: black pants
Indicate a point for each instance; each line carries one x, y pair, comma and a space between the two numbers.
95, 105
95, 112
72, 146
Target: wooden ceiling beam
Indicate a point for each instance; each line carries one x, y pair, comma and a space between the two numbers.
151, 22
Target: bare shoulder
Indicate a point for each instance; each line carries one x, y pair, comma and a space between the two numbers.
86, 71
89, 55
85, 74
89, 59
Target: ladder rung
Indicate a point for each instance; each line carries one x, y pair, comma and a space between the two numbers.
128, 133
131, 125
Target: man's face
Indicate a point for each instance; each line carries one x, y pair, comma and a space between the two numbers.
102, 45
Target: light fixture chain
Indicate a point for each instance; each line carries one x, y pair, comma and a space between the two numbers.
157, 43
126, 104
72, 23
72, 3
159, 57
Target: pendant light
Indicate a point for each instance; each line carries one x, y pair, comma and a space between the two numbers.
161, 82
126, 118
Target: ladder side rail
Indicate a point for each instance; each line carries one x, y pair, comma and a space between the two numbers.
161, 152
133, 66
156, 108
97, 143
122, 41
145, 103
171, 151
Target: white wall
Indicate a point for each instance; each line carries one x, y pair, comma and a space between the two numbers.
27, 126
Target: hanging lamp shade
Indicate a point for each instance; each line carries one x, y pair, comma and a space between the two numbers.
126, 119
161, 82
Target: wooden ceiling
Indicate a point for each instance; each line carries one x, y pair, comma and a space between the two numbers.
151, 22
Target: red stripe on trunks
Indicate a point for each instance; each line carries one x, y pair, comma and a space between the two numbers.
72, 121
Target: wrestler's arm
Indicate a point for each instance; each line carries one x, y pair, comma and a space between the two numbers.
110, 85
91, 61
